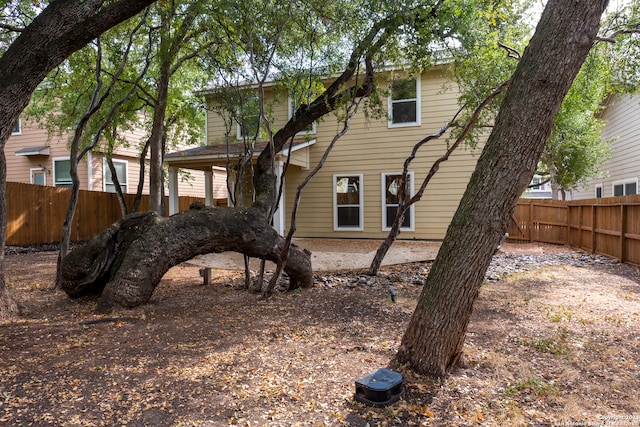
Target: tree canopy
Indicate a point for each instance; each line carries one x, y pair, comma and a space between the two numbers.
57, 31
575, 151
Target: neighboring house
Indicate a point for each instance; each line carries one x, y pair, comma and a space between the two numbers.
355, 193
621, 172
538, 189
33, 157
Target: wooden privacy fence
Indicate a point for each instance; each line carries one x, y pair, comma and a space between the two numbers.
35, 213
608, 226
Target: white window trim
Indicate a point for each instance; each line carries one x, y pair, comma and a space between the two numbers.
383, 185
53, 172
360, 202
623, 182
105, 168
544, 188
290, 115
44, 175
595, 190
239, 136
418, 109
19, 130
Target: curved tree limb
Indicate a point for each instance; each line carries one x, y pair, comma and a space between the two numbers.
405, 203
126, 262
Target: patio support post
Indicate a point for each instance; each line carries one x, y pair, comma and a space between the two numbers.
208, 187
278, 216
174, 206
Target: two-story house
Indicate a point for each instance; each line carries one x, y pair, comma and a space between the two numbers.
621, 172
355, 194
34, 157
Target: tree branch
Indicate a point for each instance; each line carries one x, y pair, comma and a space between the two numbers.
511, 52
11, 27
612, 37
352, 109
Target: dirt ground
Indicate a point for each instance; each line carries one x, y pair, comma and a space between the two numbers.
552, 346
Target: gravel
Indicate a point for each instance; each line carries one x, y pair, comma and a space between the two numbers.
502, 265
32, 249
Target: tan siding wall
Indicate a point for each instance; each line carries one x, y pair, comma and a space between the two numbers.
216, 128
191, 183
371, 148
300, 157
18, 167
623, 124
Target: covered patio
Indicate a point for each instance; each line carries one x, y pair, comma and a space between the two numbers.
218, 160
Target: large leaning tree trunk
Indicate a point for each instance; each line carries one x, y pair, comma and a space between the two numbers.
126, 262
433, 341
62, 28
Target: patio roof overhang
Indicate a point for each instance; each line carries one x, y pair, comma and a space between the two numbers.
204, 158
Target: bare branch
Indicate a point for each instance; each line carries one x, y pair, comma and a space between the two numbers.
511, 52
403, 203
612, 37
10, 27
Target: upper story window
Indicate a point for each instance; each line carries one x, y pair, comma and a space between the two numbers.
121, 173
293, 106
17, 128
626, 187
404, 103
62, 173
248, 118
538, 184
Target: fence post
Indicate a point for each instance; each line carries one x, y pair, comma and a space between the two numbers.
623, 231
530, 222
593, 228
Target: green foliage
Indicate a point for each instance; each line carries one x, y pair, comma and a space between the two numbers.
14, 16
488, 56
622, 26
66, 94
575, 150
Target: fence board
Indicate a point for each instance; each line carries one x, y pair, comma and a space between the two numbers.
35, 214
608, 226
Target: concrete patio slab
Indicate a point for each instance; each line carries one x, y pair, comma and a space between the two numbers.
334, 254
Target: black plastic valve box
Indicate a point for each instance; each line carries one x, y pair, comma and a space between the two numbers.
381, 388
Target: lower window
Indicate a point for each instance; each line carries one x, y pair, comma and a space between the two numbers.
121, 172
391, 184
38, 176
62, 173
599, 191
347, 202
626, 187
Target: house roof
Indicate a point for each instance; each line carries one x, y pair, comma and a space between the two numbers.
216, 155
40, 150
